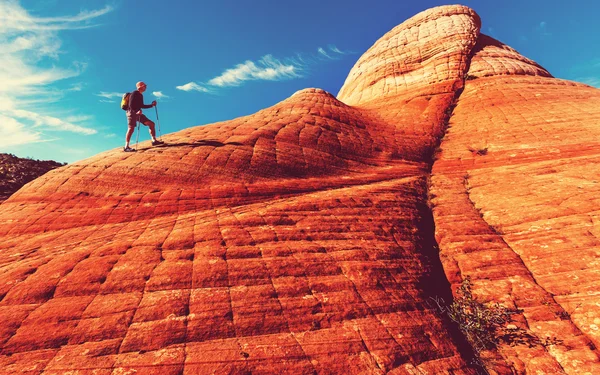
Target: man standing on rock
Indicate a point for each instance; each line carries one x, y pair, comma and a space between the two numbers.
134, 114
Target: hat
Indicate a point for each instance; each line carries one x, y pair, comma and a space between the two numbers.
140, 84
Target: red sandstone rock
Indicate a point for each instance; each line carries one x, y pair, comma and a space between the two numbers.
298, 240
515, 207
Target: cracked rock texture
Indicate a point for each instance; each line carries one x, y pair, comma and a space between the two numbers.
302, 239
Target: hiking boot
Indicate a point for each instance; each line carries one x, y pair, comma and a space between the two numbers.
157, 143
128, 149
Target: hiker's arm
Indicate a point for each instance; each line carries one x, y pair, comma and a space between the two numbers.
147, 105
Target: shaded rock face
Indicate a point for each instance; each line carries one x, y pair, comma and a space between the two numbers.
299, 240
16, 172
516, 207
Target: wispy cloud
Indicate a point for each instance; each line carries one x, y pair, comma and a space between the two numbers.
337, 50
110, 95
322, 52
31, 120
267, 68
14, 133
192, 86
76, 87
160, 95
27, 44
14, 17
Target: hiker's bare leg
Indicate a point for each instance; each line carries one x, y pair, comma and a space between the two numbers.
130, 131
151, 129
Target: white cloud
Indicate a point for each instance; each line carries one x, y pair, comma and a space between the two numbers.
14, 17
192, 86
79, 118
29, 56
84, 15
49, 122
336, 50
76, 87
323, 52
331, 53
159, 95
267, 68
110, 95
14, 133
18, 78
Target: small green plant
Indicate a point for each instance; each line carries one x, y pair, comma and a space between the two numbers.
563, 315
484, 325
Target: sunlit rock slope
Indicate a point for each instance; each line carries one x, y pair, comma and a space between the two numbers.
312, 236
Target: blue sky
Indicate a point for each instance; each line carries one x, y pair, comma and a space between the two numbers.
64, 64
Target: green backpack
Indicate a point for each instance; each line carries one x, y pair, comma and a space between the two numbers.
125, 101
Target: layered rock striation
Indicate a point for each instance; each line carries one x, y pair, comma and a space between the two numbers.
313, 236
515, 186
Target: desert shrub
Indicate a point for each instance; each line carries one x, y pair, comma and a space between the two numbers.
484, 325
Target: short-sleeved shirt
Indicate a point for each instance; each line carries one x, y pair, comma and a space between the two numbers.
136, 102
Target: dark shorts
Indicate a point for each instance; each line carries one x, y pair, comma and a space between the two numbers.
131, 120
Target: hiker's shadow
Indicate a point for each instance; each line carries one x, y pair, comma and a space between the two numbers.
199, 143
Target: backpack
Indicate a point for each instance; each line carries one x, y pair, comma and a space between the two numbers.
125, 101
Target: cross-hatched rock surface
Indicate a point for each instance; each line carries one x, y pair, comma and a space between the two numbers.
314, 236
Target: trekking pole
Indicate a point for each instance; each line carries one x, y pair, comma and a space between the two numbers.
158, 121
137, 121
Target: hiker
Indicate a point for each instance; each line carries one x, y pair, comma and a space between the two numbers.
134, 114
